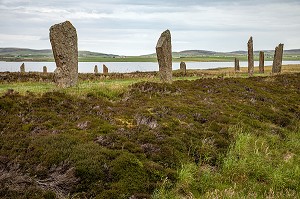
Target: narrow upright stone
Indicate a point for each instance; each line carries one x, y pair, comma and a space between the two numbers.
45, 69
261, 62
277, 62
105, 69
164, 56
236, 65
63, 38
183, 67
96, 69
250, 57
22, 68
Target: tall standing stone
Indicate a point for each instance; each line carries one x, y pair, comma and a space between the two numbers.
236, 65
105, 69
277, 62
164, 56
250, 57
261, 62
22, 68
96, 69
44, 69
183, 67
63, 38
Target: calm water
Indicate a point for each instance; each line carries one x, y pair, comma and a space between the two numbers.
121, 67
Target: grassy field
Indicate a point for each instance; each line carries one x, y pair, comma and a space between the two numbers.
110, 89
217, 134
286, 69
145, 59
114, 87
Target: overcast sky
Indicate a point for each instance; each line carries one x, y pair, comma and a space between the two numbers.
132, 27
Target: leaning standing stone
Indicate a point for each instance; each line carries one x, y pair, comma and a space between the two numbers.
22, 68
250, 57
277, 62
236, 65
183, 67
96, 69
105, 69
45, 69
63, 38
164, 56
261, 62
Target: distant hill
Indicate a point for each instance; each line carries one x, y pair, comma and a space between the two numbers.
16, 53
204, 52
293, 51
45, 52
286, 52
23, 51
190, 53
198, 53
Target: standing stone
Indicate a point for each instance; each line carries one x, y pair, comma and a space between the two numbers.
105, 69
261, 62
63, 38
277, 62
45, 69
236, 65
250, 57
183, 67
96, 69
164, 56
22, 68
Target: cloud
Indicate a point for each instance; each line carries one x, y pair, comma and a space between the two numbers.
132, 26
12, 37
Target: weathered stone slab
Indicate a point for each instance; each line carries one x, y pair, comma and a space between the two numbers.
250, 57
63, 38
236, 65
96, 69
164, 56
261, 62
277, 62
105, 69
45, 69
183, 67
22, 68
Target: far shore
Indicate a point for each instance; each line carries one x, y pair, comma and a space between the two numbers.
146, 59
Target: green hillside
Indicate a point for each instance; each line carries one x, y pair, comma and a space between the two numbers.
18, 54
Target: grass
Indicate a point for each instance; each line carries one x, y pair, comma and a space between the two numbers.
199, 137
256, 166
110, 89
244, 71
23, 87
147, 58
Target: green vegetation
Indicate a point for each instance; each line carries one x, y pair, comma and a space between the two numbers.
109, 89
136, 137
256, 166
204, 58
16, 54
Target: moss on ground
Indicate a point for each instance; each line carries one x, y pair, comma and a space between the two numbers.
127, 144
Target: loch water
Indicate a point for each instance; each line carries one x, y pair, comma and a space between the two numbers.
122, 67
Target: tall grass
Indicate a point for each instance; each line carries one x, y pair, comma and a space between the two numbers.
108, 89
256, 166
186, 177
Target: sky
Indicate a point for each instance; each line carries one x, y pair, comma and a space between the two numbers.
132, 27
